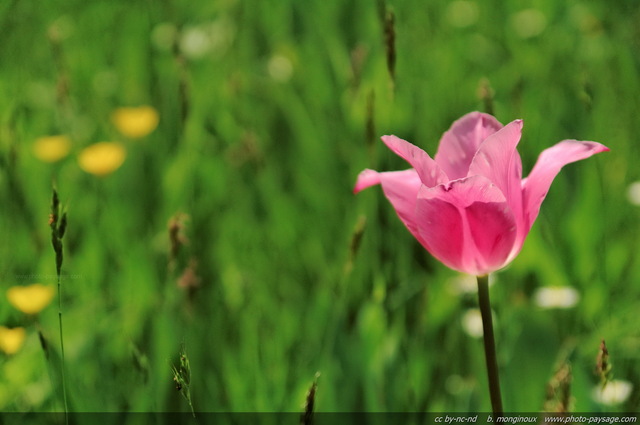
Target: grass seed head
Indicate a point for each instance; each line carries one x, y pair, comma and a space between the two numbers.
55, 210
603, 365
390, 42
63, 225
558, 399
307, 417
182, 377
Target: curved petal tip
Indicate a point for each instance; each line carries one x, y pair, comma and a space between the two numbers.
550, 161
430, 173
366, 178
596, 147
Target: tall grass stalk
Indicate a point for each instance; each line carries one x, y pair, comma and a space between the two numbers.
58, 226
62, 364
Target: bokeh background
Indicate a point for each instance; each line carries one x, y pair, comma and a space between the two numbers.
205, 154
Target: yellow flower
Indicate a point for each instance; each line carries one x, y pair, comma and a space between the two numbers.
102, 158
30, 299
51, 148
135, 122
11, 339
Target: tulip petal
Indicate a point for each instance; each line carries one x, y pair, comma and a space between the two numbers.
550, 161
366, 178
429, 172
467, 225
498, 160
443, 232
494, 231
401, 189
460, 143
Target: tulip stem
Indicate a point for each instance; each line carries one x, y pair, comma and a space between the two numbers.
489, 344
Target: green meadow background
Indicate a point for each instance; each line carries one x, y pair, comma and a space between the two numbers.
268, 111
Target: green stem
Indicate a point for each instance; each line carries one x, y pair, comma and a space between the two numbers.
489, 344
193, 412
62, 367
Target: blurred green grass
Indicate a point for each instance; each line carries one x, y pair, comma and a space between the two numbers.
263, 129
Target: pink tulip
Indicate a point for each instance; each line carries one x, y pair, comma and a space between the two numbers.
469, 206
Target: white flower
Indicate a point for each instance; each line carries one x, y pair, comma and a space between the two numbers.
472, 323
556, 297
195, 42
212, 38
614, 392
633, 193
